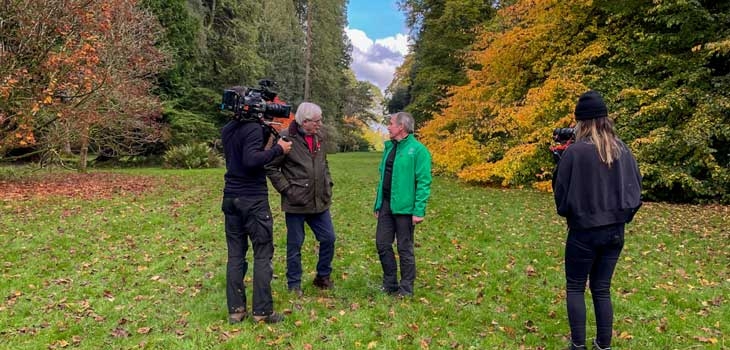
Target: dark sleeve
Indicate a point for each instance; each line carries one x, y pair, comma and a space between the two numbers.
254, 155
561, 183
327, 172
273, 171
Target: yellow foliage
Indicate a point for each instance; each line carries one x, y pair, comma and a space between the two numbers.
505, 170
544, 186
496, 128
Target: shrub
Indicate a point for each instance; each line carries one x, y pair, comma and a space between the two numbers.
192, 156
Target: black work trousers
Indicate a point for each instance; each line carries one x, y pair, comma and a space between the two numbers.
249, 219
400, 228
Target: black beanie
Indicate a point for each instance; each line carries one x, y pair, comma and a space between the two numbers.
590, 106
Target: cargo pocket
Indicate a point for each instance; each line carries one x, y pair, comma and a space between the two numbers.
262, 228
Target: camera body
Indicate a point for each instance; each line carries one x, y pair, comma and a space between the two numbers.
254, 104
563, 137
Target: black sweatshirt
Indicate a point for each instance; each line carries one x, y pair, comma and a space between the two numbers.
590, 194
243, 145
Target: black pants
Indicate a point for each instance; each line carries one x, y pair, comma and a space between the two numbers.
396, 227
249, 218
592, 253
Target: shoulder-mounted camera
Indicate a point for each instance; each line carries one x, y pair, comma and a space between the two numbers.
254, 104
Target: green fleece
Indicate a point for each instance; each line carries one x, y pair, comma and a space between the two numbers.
411, 184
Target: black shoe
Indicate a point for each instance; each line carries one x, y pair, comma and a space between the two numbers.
596, 347
401, 294
389, 291
296, 290
323, 282
576, 347
237, 317
270, 318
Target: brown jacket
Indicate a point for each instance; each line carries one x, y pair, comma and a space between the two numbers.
302, 177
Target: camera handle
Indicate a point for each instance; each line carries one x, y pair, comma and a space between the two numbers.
273, 131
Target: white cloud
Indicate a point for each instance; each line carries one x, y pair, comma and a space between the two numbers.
376, 60
397, 43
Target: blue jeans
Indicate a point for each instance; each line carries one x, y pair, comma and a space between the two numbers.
249, 218
324, 232
591, 254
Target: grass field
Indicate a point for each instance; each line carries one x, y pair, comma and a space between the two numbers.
148, 271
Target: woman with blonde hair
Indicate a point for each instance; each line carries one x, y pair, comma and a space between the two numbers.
597, 188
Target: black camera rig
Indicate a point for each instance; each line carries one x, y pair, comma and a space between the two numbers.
255, 104
248, 103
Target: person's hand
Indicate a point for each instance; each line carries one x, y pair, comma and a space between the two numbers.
417, 219
376, 214
285, 145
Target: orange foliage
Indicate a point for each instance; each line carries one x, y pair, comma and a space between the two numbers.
79, 61
497, 128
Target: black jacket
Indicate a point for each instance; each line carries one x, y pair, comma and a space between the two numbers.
243, 146
302, 177
590, 194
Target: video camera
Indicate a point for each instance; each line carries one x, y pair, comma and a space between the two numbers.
564, 137
254, 104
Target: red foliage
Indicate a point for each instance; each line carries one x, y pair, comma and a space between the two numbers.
85, 186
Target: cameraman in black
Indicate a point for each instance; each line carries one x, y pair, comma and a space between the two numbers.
598, 189
248, 216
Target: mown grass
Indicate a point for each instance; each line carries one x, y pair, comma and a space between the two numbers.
148, 271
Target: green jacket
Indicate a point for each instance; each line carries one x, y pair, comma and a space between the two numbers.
411, 184
301, 177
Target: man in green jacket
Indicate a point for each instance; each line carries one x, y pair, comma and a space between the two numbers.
303, 179
403, 191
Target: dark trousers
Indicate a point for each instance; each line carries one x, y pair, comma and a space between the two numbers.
396, 227
249, 218
591, 254
324, 232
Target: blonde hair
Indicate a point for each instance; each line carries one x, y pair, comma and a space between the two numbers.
600, 133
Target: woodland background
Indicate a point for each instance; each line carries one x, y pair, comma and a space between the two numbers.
488, 81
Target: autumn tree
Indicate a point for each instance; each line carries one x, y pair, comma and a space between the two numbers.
662, 68
78, 73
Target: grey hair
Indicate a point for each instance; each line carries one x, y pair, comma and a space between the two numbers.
307, 111
405, 119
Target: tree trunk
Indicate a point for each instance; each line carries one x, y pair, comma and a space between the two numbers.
308, 51
84, 152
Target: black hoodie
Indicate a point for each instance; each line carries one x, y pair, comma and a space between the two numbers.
590, 194
243, 145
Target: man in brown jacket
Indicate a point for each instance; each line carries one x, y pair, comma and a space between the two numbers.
302, 177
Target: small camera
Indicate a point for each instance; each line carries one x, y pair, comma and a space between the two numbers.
563, 135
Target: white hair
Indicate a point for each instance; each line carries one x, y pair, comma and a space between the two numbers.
307, 111
404, 119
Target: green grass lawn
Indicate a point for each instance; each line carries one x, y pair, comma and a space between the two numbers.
148, 271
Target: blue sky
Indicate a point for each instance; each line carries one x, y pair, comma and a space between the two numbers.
377, 18
378, 34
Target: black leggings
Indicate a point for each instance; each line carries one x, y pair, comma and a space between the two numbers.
591, 254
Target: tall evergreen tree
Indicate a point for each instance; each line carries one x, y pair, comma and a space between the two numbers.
442, 31
281, 44
182, 38
231, 42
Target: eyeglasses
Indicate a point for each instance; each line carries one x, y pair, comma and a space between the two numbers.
318, 121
